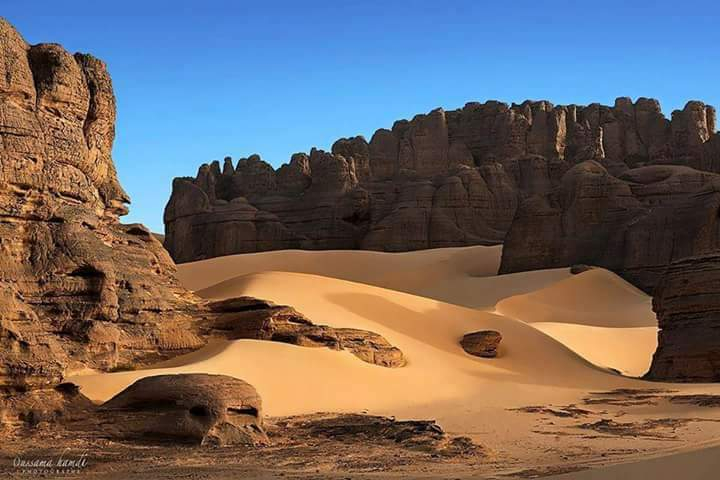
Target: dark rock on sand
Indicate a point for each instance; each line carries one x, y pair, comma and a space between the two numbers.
482, 344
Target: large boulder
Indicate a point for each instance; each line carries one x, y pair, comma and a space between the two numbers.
483, 343
187, 408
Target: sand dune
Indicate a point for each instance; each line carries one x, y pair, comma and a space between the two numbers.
562, 335
462, 276
596, 297
439, 381
627, 350
439, 372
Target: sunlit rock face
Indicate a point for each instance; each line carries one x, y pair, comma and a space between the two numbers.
441, 179
77, 288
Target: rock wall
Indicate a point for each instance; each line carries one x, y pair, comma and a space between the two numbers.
442, 179
77, 288
635, 224
687, 303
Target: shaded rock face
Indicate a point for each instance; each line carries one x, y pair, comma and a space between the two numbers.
77, 288
482, 344
246, 317
192, 408
635, 224
687, 303
441, 179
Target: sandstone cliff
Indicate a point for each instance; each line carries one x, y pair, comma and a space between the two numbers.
442, 179
687, 302
79, 289
635, 224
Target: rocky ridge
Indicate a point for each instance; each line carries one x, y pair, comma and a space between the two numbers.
441, 179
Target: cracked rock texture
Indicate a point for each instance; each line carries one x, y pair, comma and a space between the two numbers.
687, 303
635, 224
77, 288
441, 179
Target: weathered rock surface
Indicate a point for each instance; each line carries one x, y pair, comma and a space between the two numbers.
483, 343
77, 288
191, 408
687, 303
441, 179
247, 317
635, 224
419, 435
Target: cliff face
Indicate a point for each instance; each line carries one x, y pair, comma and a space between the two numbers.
635, 224
77, 288
687, 303
442, 179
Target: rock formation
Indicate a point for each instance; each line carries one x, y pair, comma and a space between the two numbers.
635, 224
442, 179
687, 303
247, 317
190, 408
78, 288
482, 344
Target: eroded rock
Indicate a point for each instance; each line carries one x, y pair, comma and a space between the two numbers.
246, 317
441, 179
424, 436
76, 286
635, 224
687, 303
192, 408
482, 344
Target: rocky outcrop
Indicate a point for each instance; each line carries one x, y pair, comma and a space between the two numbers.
188, 408
483, 343
77, 288
635, 224
441, 179
246, 317
687, 303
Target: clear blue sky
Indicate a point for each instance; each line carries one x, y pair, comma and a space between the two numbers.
196, 81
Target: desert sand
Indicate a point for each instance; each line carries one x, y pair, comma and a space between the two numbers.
552, 401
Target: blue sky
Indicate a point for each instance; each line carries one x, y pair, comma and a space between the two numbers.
197, 81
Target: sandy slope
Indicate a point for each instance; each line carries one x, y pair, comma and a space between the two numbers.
702, 464
628, 350
561, 334
596, 297
426, 330
463, 276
